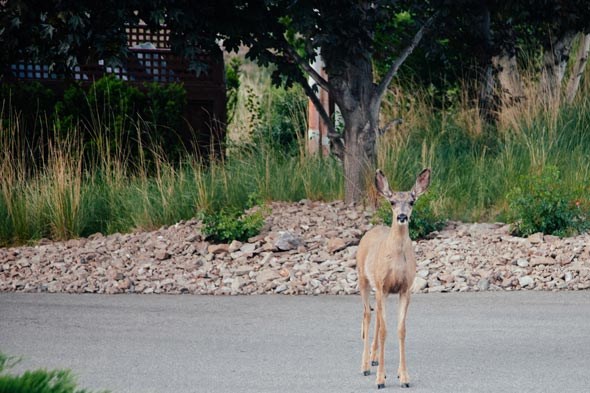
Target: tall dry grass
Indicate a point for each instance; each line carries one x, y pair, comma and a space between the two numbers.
476, 165
74, 193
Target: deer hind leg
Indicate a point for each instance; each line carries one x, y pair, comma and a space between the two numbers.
375, 344
402, 372
381, 333
364, 290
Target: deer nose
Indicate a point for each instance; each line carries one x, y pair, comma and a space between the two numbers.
402, 218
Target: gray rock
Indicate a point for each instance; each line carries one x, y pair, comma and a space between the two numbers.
194, 237
162, 255
526, 281
218, 248
424, 263
535, 261
236, 284
336, 244
234, 246
266, 275
536, 238
242, 270
423, 273
248, 248
483, 284
287, 241
419, 284
315, 283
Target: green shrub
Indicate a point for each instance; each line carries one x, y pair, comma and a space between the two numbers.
110, 107
232, 86
232, 224
71, 108
110, 94
284, 121
37, 381
423, 220
32, 99
31, 104
166, 104
542, 203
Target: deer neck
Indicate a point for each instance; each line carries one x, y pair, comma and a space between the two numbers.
399, 235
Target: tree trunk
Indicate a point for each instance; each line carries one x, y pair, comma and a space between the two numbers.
360, 153
555, 62
486, 92
511, 87
506, 67
355, 95
579, 67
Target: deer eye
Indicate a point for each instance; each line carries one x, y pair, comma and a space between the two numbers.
392, 203
412, 203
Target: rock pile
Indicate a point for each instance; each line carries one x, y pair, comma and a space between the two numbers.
305, 248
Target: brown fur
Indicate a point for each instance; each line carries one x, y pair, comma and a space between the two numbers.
386, 262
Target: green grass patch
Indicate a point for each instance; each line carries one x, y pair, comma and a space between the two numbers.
36, 381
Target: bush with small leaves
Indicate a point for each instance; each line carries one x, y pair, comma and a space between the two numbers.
232, 224
542, 203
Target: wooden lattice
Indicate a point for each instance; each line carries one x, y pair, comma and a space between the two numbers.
138, 35
152, 60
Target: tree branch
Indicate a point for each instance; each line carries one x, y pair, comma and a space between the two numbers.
300, 78
382, 87
323, 83
319, 107
388, 126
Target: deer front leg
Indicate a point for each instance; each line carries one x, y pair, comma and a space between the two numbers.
402, 372
382, 333
364, 290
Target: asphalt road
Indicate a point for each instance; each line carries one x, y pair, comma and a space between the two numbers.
470, 342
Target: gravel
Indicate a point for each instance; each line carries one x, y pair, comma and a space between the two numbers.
305, 248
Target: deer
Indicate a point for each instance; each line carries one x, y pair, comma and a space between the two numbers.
386, 262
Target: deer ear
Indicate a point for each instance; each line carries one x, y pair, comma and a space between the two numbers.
422, 182
382, 185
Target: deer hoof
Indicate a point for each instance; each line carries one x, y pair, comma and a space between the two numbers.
374, 363
367, 372
381, 386
406, 385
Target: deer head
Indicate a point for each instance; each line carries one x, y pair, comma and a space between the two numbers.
402, 202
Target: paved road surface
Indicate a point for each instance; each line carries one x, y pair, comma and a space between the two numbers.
470, 342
